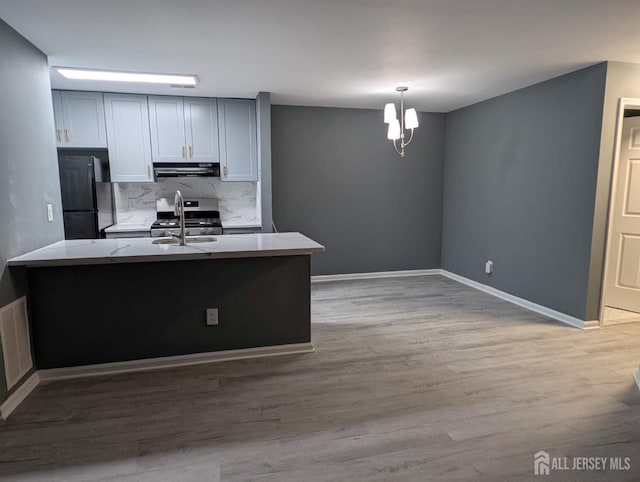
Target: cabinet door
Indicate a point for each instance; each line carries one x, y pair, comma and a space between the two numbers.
166, 119
58, 117
83, 114
238, 141
128, 137
201, 128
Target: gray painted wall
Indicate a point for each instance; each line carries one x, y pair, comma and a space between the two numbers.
519, 188
623, 80
28, 161
337, 179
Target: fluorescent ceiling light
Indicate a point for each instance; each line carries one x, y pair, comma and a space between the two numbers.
113, 76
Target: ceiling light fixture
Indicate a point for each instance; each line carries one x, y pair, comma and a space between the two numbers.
408, 120
115, 76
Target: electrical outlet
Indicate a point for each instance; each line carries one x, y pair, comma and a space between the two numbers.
50, 212
212, 316
488, 267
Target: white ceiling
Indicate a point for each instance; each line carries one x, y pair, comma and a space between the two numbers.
349, 53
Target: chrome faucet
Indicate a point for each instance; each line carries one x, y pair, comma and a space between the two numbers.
178, 210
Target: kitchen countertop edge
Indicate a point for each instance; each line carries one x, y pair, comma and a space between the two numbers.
279, 244
127, 228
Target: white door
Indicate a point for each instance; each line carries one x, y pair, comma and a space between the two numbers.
623, 270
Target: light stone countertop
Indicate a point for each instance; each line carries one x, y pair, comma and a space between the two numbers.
127, 228
141, 250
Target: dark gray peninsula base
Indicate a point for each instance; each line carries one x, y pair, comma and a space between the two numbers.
82, 315
141, 302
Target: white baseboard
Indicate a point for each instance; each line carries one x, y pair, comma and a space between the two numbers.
171, 361
637, 377
529, 305
374, 275
590, 324
17, 397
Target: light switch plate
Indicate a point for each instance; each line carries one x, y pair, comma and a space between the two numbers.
212, 316
488, 267
49, 212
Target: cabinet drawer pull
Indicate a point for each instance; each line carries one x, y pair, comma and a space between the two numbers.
148, 171
59, 131
183, 152
190, 152
224, 169
67, 134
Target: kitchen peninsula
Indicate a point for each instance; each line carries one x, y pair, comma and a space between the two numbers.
110, 301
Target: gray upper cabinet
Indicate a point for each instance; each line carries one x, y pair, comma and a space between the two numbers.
183, 129
129, 139
166, 119
238, 140
80, 119
201, 129
58, 118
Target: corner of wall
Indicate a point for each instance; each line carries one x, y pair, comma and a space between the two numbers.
263, 114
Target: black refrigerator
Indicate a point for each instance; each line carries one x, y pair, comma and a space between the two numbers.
87, 196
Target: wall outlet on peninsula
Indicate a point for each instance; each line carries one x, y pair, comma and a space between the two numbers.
212, 316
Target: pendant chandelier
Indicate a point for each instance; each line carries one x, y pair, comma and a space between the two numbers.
408, 121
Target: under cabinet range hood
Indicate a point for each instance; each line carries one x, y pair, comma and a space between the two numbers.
186, 169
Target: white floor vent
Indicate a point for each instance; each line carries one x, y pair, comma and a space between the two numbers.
16, 345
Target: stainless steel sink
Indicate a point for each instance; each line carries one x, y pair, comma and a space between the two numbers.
190, 240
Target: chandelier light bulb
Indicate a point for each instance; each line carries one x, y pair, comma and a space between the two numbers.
393, 133
389, 113
411, 119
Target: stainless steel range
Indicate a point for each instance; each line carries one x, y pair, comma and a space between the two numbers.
201, 217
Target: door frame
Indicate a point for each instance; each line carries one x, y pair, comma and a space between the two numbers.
623, 104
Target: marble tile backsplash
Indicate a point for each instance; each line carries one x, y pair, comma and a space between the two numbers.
238, 201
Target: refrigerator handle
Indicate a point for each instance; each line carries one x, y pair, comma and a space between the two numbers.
90, 174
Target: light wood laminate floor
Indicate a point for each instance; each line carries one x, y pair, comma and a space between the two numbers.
412, 379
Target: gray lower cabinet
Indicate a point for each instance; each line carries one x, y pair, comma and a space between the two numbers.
238, 140
183, 129
129, 140
80, 119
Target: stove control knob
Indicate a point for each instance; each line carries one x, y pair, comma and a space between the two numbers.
162, 233
187, 232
